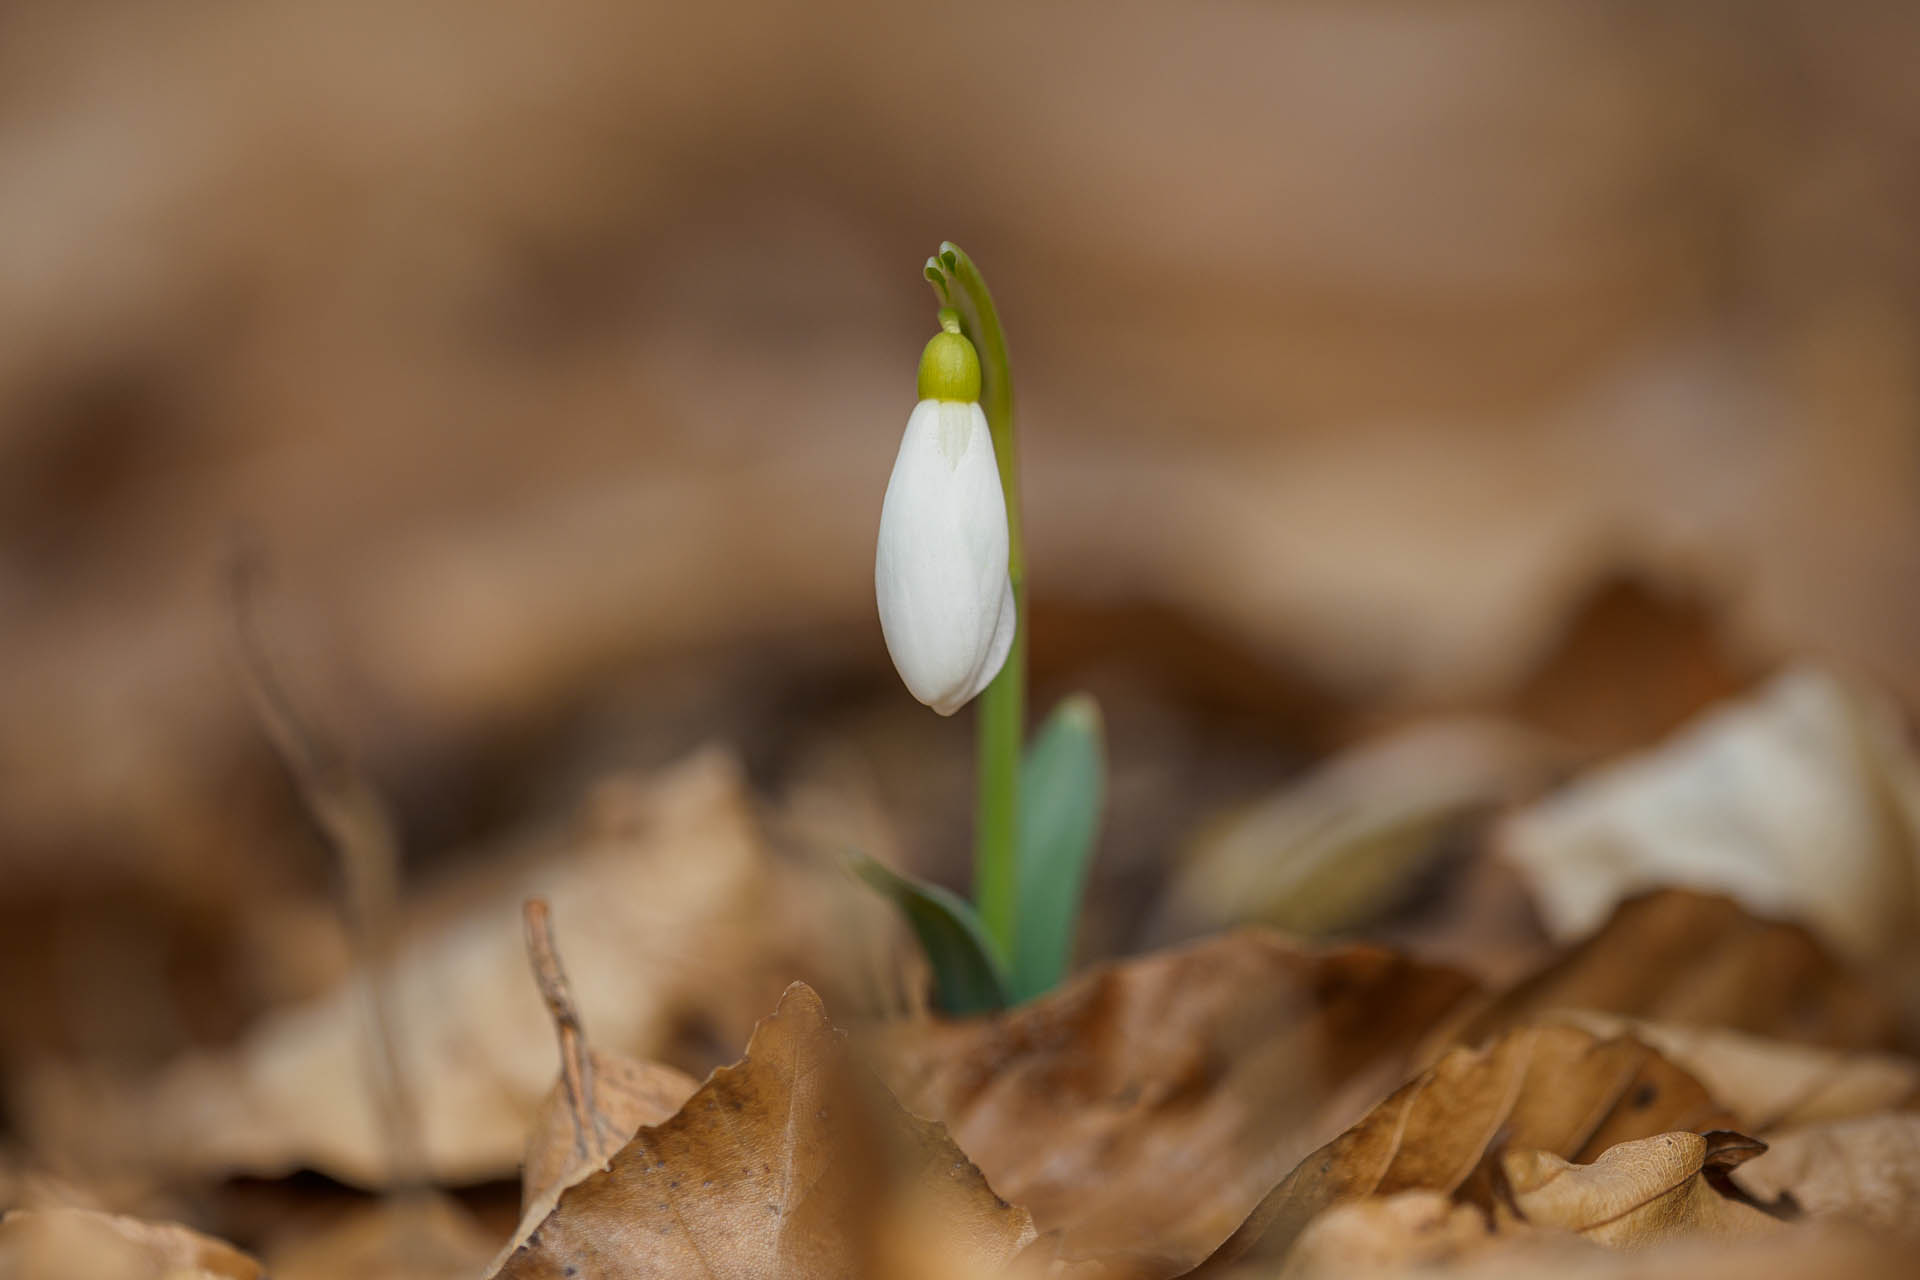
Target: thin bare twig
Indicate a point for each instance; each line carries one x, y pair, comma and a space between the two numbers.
355, 822
576, 1063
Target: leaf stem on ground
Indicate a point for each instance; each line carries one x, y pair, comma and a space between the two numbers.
576, 1064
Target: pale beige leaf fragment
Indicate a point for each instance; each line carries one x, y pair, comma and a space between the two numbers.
62, 1244
1801, 801
1865, 1169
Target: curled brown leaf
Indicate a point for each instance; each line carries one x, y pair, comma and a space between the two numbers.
1551, 1088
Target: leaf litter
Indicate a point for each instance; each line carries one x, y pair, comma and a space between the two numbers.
1696, 1065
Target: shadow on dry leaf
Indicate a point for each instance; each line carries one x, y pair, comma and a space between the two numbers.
1771, 1084
1675, 956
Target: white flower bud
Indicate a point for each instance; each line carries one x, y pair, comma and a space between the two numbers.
940, 574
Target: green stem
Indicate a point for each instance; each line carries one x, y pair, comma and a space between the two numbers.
1002, 716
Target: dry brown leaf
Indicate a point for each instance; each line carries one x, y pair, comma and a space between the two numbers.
1641, 1192
1771, 1084
787, 1164
1554, 1088
1674, 956
1227, 1060
61, 1244
415, 1236
1865, 1169
668, 897
1801, 802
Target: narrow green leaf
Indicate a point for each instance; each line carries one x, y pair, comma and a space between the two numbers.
1062, 790
966, 973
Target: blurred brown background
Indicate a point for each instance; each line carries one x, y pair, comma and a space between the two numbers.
1557, 359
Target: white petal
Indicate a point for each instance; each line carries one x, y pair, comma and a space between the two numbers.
940, 567
995, 656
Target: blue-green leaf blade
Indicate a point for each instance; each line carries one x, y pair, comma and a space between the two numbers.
967, 976
1062, 793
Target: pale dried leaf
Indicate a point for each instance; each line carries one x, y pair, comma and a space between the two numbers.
1802, 802
60, 1244
1865, 1169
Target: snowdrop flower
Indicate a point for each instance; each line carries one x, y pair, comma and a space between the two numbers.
940, 574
